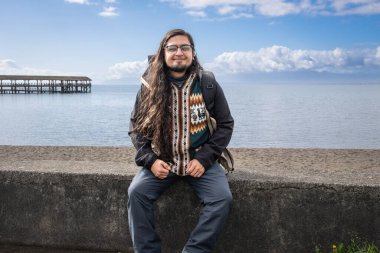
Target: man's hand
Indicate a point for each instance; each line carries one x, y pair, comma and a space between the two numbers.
160, 169
195, 168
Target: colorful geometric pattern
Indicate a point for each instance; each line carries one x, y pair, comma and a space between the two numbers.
189, 122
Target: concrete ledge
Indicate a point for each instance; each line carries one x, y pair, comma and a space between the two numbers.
285, 200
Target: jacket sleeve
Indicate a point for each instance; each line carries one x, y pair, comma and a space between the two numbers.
144, 154
217, 142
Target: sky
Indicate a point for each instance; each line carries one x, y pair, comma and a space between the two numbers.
250, 41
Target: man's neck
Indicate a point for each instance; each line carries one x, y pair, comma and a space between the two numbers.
177, 75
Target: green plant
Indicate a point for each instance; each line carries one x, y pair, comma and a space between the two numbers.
355, 246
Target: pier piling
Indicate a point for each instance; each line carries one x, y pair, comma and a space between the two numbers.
16, 84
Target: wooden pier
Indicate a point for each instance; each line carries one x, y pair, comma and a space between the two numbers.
15, 84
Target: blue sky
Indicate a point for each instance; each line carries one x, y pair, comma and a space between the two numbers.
240, 40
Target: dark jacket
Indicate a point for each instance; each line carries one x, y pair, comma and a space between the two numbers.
210, 151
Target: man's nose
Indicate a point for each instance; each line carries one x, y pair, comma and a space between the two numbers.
179, 51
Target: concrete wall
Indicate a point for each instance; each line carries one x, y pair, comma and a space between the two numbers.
88, 210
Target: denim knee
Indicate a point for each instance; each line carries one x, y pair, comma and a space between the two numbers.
134, 190
224, 201
227, 199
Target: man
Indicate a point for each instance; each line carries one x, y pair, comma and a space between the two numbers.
169, 131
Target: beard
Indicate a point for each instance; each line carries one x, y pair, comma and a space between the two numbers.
179, 69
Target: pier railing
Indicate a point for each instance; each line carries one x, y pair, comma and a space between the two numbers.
15, 84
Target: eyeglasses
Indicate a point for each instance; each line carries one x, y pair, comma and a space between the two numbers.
174, 48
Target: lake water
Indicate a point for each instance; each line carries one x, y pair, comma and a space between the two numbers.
275, 115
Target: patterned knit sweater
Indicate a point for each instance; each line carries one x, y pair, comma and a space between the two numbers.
189, 122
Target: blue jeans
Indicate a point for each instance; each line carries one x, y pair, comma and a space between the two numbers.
211, 188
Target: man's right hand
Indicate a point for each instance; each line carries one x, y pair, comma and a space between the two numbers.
160, 169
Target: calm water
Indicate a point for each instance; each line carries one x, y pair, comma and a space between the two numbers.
291, 116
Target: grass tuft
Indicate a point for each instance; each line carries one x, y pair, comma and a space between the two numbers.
355, 246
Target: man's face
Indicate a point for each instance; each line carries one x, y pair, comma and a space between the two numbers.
178, 60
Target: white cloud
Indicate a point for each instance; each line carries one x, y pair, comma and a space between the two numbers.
272, 59
280, 7
10, 67
199, 14
223, 10
127, 69
277, 8
373, 58
77, 1
241, 15
362, 8
8, 64
280, 58
109, 12
341, 5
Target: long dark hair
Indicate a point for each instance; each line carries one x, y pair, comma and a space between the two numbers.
154, 116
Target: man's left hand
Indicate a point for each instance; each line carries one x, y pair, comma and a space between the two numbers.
195, 168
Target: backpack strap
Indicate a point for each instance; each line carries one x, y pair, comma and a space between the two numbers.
208, 79
208, 86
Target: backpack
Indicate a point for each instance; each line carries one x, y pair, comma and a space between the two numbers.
208, 81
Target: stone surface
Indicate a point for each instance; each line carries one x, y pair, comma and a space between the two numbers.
285, 200
34, 249
326, 166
